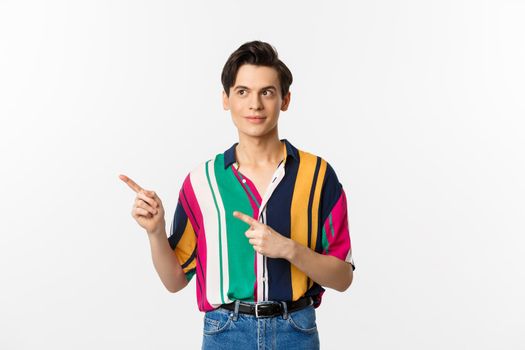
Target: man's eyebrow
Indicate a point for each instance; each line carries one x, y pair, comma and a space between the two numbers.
247, 88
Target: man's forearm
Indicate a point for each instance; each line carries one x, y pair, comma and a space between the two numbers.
166, 263
326, 270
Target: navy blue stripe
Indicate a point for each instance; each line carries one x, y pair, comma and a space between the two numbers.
311, 199
315, 290
198, 282
330, 193
279, 269
178, 225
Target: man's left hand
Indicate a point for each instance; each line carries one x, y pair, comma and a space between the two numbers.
264, 239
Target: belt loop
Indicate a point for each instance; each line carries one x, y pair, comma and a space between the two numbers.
236, 310
285, 310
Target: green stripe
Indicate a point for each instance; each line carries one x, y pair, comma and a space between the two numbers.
324, 240
331, 225
241, 256
250, 191
190, 274
219, 221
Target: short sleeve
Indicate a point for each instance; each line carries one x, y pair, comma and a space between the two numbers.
182, 239
335, 231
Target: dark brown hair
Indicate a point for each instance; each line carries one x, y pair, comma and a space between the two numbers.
257, 53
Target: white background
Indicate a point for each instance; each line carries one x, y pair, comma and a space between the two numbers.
418, 105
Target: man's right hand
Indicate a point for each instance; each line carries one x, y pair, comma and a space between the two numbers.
147, 209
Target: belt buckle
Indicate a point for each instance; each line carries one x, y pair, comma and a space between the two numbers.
257, 309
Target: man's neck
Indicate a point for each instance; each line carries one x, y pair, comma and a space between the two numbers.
259, 151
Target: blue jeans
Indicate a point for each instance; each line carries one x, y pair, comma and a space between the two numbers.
226, 329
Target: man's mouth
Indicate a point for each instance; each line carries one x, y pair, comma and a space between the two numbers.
255, 118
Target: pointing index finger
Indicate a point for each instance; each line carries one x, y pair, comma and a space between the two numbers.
246, 218
131, 183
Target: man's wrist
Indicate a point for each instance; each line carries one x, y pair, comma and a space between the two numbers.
157, 233
290, 250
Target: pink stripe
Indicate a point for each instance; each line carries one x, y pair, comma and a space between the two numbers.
339, 244
192, 207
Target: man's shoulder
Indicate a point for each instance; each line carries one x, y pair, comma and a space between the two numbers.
316, 160
320, 164
199, 167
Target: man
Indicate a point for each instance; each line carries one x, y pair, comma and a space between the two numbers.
263, 225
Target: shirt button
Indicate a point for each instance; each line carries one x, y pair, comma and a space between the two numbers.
263, 279
243, 181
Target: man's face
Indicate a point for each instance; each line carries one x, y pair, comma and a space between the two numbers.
255, 93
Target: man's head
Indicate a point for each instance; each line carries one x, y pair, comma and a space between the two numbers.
256, 83
256, 53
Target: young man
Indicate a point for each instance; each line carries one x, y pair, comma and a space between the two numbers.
263, 225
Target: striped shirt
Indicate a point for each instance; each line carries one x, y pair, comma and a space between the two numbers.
305, 202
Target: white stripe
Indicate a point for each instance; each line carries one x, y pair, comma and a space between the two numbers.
266, 281
223, 235
278, 175
349, 257
260, 264
210, 227
262, 285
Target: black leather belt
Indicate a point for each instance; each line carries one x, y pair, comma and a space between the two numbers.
270, 309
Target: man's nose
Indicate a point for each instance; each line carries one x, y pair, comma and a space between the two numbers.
255, 102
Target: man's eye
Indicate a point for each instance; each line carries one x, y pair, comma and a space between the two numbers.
268, 91
240, 92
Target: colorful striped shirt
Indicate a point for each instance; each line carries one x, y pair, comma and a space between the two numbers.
304, 202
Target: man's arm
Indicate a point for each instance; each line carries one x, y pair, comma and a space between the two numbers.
326, 270
166, 263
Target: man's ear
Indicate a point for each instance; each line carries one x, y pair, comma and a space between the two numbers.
225, 101
286, 101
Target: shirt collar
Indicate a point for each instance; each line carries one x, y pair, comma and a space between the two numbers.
229, 154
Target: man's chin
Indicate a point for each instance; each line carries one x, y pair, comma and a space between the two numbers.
256, 132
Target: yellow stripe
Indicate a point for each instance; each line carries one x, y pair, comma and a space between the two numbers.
299, 211
186, 246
